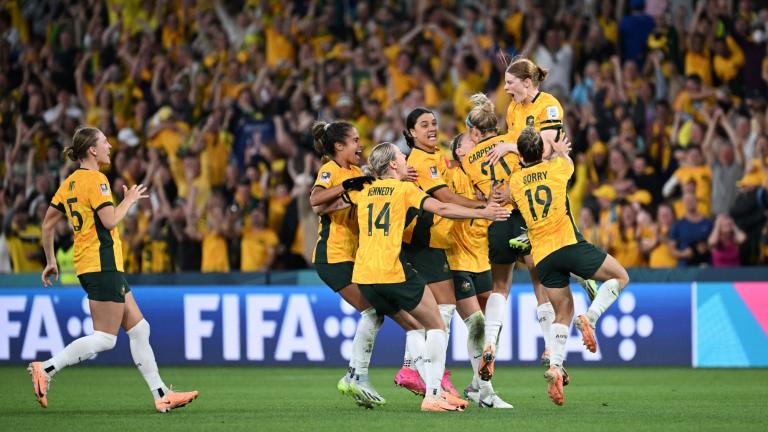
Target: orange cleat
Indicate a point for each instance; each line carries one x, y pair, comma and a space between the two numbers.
437, 404
173, 400
40, 382
453, 400
485, 368
555, 388
587, 333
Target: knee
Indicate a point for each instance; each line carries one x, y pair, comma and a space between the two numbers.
371, 315
139, 331
104, 341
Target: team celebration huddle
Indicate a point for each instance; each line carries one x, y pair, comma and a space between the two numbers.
418, 237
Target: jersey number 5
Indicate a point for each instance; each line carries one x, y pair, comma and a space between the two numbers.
545, 201
75, 214
382, 220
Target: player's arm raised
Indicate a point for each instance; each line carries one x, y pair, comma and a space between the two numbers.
561, 148
111, 216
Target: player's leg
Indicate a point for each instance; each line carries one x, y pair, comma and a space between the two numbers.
562, 302
138, 331
545, 313
469, 311
106, 302
616, 279
428, 314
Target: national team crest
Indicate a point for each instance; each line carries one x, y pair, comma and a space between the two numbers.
433, 171
529, 121
465, 286
104, 189
325, 177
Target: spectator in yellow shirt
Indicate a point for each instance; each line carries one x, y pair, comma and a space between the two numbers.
258, 245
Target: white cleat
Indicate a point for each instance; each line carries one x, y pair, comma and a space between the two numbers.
472, 394
494, 401
365, 394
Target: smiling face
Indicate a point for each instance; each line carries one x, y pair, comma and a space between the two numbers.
349, 150
399, 164
516, 87
101, 150
424, 131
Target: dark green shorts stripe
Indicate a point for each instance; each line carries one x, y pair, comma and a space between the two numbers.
106, 246
321, 251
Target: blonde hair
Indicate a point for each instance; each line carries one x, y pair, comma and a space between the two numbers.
523, 68
483, 115
84, 138
379, 159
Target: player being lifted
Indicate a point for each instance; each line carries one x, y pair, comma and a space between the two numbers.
530, 107
539, 190
381, 270
85, 198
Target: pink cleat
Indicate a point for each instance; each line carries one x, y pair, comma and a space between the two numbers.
447, 385
409, 379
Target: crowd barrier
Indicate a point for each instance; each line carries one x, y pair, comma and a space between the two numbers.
699, 324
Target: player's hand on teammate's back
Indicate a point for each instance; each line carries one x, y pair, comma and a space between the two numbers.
495, 212
500, 193
48, 271
134, 193
357, 183
562, 146
413, 175
498, 152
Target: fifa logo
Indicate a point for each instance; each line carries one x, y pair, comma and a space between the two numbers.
627, 326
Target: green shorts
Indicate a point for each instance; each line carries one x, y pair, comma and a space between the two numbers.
389, 298
499, 234
582, 259
468, 284
105, 286
431, 263
337, 275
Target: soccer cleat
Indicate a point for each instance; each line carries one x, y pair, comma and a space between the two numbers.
566, 377
447, 385
555, 387
587, 332
472, 394
173, 400
343, 385
454, 400
589, 286
521, 242
409, 379
437, 404
365, 395
40, 382
545, 358
494, 401
485, 368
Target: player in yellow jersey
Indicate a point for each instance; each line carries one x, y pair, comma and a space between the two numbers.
85, 199
468, 260
540, 192
534, 108
430, 236
334, 253
381, 270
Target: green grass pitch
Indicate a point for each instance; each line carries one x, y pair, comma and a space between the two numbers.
86, 398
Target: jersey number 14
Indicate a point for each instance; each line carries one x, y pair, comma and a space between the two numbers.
382, 220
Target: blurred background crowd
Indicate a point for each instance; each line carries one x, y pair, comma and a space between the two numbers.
211, 104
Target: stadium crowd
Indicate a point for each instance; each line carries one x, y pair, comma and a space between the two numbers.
211, 104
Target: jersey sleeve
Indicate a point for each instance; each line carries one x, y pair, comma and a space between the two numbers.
562, 167
414, 197
429, 179
551, 116
326, 177
99, 193
57, 202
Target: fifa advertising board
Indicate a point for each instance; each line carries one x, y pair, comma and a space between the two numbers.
650, 324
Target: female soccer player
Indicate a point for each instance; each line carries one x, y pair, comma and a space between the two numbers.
334, 253
468, 260
557, 246
85, 199
385, 278
534, 108
427, 241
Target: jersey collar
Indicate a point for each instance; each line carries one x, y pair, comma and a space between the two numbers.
536, 97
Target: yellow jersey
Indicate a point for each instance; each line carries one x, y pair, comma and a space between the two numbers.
215, 252
469, 251
430, 230
80, 197
382, 213
540, 191
22, 244
544, 112
481, 174
337, 232
254, 248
